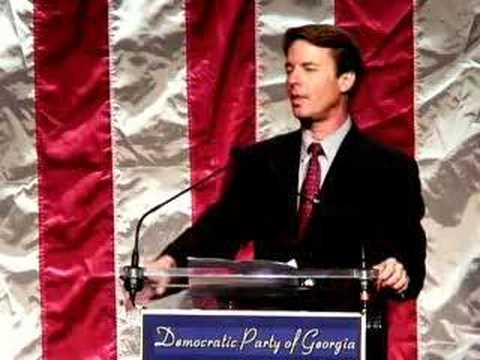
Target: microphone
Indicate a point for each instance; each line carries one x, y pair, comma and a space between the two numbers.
133, 274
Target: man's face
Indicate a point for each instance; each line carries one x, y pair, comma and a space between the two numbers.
314, 89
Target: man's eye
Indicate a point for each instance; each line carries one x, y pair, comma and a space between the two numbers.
310, 68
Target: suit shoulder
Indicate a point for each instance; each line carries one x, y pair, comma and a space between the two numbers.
384, 153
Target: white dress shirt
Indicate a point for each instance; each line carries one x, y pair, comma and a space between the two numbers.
330, 145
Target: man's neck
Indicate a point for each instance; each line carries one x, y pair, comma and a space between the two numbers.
324, 127
320, 130
328, 122
332, 140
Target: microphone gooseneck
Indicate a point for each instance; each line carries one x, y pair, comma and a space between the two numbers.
133, 274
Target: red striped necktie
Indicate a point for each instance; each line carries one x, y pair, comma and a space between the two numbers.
310, 189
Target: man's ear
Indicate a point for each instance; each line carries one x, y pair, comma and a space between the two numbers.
346, 81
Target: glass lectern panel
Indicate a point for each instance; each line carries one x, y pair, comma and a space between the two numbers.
252, 288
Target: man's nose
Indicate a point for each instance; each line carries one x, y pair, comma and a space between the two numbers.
293, 77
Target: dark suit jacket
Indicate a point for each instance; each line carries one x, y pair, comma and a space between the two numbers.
371, 196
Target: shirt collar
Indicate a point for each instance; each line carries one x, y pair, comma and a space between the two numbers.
330, 143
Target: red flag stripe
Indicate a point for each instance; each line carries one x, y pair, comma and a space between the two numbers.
384, 31
75, 179
221, 86
384, 108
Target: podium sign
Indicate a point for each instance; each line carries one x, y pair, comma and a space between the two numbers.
226, 334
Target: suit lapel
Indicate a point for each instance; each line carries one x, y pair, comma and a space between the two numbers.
344, 161
284, 162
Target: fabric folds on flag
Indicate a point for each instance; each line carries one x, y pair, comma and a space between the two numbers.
109, 107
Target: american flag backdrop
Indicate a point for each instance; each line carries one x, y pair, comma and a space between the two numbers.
109, 107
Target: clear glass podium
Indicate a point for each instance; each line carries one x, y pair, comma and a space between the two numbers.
217, 284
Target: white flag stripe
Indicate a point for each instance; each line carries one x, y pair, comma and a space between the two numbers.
19, 268
448, 151
273, 114
150, 140
150, 132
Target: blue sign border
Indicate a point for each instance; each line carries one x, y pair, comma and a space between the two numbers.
238, 334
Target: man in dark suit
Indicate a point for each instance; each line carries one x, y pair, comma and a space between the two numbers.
319, 204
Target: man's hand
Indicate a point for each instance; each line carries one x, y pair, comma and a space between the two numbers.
392, 275
159, 284
154, 287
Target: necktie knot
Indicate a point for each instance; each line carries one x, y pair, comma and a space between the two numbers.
315, 149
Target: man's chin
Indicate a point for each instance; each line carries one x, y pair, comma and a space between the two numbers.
299, 114
305, 121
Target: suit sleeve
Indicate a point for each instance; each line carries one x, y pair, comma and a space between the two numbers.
413, 240
226, 224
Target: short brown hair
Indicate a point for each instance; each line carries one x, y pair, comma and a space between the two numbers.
346, 52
